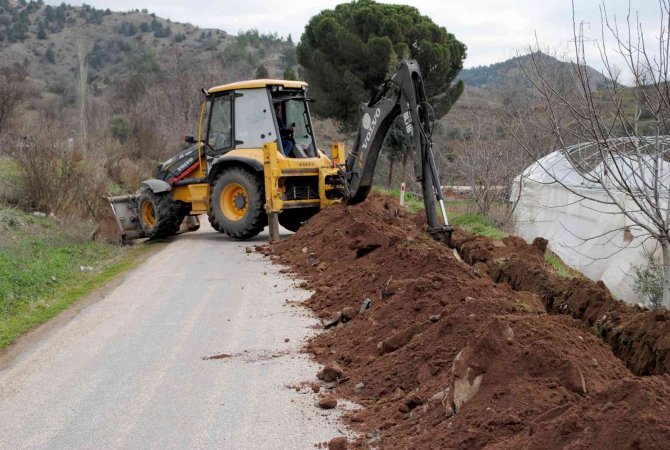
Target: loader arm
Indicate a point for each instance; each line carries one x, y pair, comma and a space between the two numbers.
402, 94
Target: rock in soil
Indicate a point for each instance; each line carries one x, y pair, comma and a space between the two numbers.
330, 372
328, 402
367, 303
338, 443
399, 339
332, 321
413, 400
348, 314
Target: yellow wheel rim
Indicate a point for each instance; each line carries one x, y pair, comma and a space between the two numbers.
149, 214
234, 201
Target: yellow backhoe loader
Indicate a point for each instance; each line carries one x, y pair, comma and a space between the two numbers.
256, 162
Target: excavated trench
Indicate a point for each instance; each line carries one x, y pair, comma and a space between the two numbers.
448, 353
639, 337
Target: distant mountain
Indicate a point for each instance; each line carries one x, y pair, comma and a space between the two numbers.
510, 72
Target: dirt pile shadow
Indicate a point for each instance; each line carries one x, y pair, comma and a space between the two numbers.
640, 337
441, 356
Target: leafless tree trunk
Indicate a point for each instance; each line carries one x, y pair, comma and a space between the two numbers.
389, 182
13, 91
82, 55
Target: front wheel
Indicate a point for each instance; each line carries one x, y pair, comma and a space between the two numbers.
158, 215
236, 204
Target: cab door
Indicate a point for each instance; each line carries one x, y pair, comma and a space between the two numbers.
220, 129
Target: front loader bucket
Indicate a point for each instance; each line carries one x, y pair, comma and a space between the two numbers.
125, 210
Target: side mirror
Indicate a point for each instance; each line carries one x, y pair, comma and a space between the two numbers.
189, 139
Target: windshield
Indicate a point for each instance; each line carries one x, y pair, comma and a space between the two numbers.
297, 116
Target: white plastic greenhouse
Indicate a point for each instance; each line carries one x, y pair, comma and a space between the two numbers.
595, 238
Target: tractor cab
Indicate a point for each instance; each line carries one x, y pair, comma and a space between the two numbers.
248, 114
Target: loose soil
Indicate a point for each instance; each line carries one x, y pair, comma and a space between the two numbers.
448, 353
640, 337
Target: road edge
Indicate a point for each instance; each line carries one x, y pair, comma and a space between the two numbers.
88, 293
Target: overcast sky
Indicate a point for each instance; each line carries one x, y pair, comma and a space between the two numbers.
493, 30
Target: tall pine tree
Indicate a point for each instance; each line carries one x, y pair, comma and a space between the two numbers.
347, 52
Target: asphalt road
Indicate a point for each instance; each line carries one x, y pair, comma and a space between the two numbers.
128, 370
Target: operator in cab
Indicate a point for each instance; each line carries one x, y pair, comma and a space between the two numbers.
285, 132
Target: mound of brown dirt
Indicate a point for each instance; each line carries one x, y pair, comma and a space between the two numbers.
641, 338
603, 420
441, 356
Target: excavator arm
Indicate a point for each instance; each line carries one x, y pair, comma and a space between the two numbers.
403, 94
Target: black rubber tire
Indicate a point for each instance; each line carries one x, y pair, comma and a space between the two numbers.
166, 213
292, 219
255, 219
212, 219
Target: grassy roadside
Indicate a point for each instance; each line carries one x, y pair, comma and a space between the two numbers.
9, 179
44, 268
476, 223
470, 221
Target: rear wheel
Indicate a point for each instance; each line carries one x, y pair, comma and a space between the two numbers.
236, 204
292, 219
158, 215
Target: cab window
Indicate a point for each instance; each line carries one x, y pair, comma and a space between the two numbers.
220, 135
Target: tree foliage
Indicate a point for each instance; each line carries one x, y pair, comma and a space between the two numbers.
120, 128
262, 72
347, 52
396, 147
395, 143
289, 74
50, 56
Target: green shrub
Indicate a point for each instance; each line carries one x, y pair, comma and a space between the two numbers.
120, 128
648, 281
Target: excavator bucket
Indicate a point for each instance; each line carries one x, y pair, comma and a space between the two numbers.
125, 210
442, 234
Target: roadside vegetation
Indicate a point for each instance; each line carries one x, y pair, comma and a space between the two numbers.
477, 223
46, 266
648, 282
462, 213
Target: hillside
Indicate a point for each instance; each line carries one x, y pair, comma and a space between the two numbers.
50, 39
511, 72
144, 75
